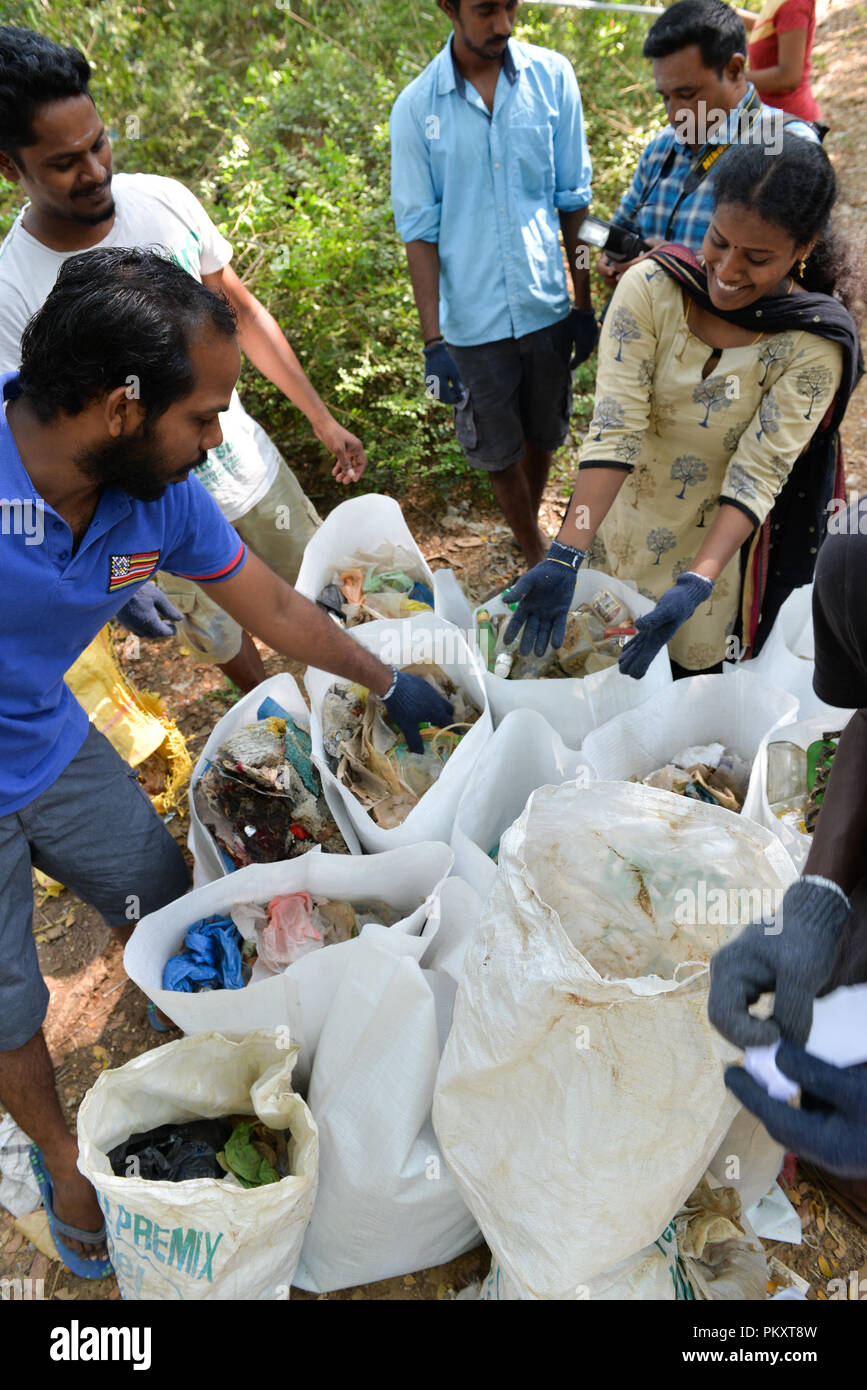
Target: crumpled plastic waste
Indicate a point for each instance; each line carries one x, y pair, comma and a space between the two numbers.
383, 583
262, 797
710, 773
289, 933
595, 635
255, 1154
369, 756
294, 924
211, 958
172, 1152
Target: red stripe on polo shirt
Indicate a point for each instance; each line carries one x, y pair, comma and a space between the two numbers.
225, 573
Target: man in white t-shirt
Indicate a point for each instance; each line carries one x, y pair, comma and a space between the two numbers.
53, 143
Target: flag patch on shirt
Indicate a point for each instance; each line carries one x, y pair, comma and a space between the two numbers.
131, 569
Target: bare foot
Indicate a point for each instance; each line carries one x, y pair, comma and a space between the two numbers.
75, 1200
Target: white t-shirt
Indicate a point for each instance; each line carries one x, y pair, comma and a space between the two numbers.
150, 211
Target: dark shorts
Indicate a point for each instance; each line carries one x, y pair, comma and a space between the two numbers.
520, 393
95, 830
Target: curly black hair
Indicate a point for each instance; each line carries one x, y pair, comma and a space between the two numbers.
33, 71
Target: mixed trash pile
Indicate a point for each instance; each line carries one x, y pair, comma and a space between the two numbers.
256, 941
262, 798
369, 755
595, 635
385, 583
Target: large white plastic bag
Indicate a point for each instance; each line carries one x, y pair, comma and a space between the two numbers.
208, 861
203, 1238
578, 1112
388, 1204
422, 638
571, 705
736, 711
709, 1251
300, 997
788, 657
523, 753
757, 806
362, 524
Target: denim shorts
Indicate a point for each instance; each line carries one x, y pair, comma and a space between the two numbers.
94, 830
520, 392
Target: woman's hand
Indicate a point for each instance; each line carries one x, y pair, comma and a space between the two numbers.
658, 627
544, 597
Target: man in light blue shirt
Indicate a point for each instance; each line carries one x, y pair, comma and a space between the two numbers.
489, 155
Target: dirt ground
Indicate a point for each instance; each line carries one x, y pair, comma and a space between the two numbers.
97, 1016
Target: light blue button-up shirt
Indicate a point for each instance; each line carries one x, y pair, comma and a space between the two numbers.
487, 188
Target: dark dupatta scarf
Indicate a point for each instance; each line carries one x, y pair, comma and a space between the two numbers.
781, 555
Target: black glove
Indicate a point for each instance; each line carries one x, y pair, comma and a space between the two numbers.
658, 626
442, 378
583, 333
792, 958
835, 1135
147, 611
410, 702
544, 595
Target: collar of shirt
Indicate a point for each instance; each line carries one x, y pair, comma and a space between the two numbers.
451, 79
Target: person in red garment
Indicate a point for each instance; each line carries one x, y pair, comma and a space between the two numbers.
778, 55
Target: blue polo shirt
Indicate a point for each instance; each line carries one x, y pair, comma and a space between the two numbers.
487, 188
54, 602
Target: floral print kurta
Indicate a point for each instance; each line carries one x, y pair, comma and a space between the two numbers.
690, 441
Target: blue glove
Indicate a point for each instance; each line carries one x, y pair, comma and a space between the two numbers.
544, 596
835, 1135
657, 628
583, 333
442, 377
149, 613
412, 701
792, 957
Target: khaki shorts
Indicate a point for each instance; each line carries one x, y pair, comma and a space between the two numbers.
277, 529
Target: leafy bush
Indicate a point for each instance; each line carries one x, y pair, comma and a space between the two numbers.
277, 117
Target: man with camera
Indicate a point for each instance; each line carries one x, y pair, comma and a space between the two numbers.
698, 53
488, 154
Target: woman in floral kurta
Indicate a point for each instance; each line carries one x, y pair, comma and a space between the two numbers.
714, 377
692, 437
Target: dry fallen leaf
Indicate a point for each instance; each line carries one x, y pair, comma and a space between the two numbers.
824, 1267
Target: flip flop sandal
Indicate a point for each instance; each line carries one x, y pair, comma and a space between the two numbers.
154, 1021
75, 1263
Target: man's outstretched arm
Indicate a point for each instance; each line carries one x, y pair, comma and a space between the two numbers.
267, 347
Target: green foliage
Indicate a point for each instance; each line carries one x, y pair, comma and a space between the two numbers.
277, 117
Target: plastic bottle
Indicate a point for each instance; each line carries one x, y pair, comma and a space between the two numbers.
487, 637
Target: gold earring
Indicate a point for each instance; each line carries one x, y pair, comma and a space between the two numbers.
802, 266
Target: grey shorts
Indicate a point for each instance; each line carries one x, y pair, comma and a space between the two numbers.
94, 830
520, 393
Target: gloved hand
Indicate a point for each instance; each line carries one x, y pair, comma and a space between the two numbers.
793, 959
544, 595
410, 702
659, 626
149, 613
834, 1136
583, 332
442, 377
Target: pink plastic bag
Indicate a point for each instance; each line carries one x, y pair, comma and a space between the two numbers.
290, 934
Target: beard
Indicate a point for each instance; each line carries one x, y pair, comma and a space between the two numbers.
133, 466
82, 217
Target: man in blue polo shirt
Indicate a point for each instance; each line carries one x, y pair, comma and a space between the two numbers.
124, 372
698, 51
488, 155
